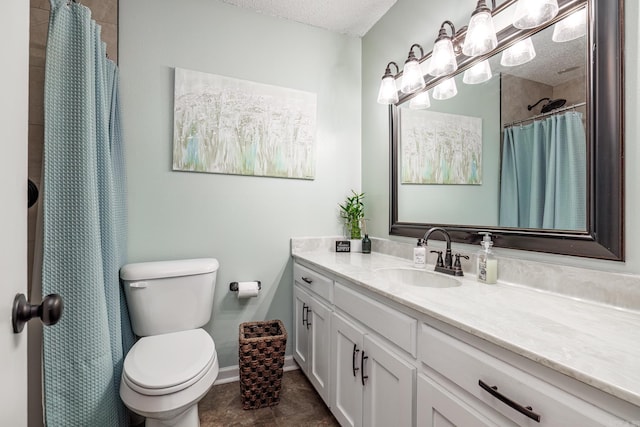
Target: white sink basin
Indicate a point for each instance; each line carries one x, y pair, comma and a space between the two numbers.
417, 277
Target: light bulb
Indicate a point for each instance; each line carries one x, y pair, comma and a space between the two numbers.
481, 35
479, 73
445, 90
443, 59
412, 79
533, 13
420, 101
572, 27
388, 93
518, 54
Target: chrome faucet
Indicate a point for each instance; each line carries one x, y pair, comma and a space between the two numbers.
447, 266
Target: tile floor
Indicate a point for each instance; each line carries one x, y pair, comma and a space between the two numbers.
299, 405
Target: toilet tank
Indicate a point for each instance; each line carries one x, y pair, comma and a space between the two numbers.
169, 296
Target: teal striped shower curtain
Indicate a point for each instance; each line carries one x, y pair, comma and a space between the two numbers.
543, 178
84, 225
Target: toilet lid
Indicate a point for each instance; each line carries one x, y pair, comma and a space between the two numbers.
168, 363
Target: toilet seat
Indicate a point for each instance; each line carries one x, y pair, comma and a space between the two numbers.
164, 364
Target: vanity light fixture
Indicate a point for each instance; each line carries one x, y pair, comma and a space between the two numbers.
412, 79
479, 73
445, 90
481, 33
388, 93
420, 101
572, 27
533, 13
518, 54
443, 58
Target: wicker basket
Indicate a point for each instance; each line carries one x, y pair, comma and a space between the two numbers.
261, 353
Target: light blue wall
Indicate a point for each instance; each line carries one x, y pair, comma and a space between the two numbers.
244, 222
417, 21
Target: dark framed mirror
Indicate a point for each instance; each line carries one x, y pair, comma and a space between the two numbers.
601, 232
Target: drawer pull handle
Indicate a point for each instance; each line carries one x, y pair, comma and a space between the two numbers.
353, 359
362, 359
493, 390
308, 311
306, 279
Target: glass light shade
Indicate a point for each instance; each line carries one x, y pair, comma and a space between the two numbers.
533, 13
420, 101
572, 27
479, 73
481, 35
445, 90
388, 93
518, 54
412, 79
443, 59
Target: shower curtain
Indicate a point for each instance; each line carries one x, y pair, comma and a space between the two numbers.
84, 225
543, 178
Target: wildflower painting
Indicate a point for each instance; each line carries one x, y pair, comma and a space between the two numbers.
231, 126
440, 148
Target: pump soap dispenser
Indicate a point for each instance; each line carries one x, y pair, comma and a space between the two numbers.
487, 266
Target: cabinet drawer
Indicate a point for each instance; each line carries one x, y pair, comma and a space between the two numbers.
467, 366
313, 281
397, 327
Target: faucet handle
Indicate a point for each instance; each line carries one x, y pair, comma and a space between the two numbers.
456, 264
439, 262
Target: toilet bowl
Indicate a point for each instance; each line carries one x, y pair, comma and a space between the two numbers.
174, 363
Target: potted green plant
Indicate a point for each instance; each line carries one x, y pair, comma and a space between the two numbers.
352, 211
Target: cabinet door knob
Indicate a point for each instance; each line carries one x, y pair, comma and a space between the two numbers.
353, 359
49, 311
493, 390
362, 359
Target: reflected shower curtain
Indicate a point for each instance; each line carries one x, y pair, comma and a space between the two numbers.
543, 178
84, 225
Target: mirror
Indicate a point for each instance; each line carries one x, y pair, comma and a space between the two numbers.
452, 164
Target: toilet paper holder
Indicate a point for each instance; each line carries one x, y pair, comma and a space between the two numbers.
233, 286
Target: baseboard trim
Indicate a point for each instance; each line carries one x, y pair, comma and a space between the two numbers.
230, 374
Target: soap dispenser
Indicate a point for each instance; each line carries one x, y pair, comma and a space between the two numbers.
420, 255
487, 264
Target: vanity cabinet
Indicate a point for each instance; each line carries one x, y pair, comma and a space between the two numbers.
377, 362
373, 385
311, 330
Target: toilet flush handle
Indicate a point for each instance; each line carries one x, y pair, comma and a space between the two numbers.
138, 285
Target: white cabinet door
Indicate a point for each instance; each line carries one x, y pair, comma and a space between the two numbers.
319, 321
388, 390
439, 407
300, 328
346, 402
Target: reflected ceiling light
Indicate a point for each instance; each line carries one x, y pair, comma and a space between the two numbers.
443, 58
572, 27
412, 78
420, 101
479, 73
388, 93
518, 54
481, 33
533, 13
445, 90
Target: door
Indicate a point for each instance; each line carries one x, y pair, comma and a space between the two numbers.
347, 345
300, 328
14, 86
389, 385
319, 319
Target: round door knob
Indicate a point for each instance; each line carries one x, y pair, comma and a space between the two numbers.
49, 311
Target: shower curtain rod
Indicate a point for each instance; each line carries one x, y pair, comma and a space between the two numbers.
550, 113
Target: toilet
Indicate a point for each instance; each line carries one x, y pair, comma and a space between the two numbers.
174, 363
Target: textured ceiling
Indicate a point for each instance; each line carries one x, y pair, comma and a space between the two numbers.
352, 17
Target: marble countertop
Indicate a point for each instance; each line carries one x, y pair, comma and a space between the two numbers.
593, 343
